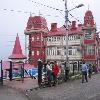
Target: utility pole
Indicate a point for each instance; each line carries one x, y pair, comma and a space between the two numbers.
67, 31
66, 26
1, 76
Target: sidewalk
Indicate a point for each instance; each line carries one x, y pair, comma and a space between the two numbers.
7, 93
28, 83
71, 90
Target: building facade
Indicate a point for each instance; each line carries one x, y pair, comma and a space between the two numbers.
91, 40
56, 45
83, 43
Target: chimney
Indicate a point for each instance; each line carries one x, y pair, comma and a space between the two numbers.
53, 27
73, 25
79, 25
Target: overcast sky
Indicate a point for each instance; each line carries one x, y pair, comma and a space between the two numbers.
13, 17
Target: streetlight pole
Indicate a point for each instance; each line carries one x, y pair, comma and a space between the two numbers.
66, 26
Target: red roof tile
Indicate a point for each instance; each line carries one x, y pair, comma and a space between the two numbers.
62, 31
36, 22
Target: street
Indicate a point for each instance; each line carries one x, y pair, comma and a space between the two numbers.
72, 90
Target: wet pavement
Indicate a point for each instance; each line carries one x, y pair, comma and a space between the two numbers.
7, 93
71, 90
18, 84
16, 89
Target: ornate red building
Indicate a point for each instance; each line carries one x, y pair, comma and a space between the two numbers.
35, 30
83, 41
91, 40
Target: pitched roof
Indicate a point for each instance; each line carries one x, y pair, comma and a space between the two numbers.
17, 51
62, 31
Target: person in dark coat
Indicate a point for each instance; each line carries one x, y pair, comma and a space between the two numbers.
89, 70
66, 72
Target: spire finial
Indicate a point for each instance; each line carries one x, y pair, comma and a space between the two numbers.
17, 34
39, 13
88, 7
30, 14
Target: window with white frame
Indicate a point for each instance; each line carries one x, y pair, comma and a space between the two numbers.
69, 38
37, 52
47, 39
64, 50
58, 38
47, 53
50, 39
50, 51
38, 38
89, 50
74, 50
58, 51
54, 38
78, 37
74, 37
70, 50
41, 38
32, 53
32, 38
63, 37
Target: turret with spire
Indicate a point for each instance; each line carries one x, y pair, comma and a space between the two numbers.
17, 51
89, 19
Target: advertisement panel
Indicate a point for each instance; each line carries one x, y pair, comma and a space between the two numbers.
27, 73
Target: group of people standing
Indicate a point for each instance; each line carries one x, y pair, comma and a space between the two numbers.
52, 70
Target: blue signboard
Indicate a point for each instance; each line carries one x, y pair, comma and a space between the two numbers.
27, 73
32, 72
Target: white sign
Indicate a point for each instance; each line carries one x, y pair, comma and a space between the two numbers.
88, 36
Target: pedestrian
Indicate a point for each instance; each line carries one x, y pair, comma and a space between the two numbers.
66, 72
44, 66
94, 68
55, 71
49, 73
84, 72
89, 70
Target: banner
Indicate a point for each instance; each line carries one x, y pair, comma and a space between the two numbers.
27, 73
